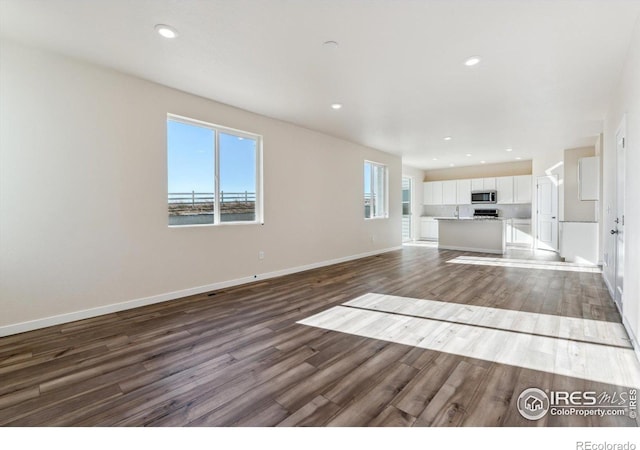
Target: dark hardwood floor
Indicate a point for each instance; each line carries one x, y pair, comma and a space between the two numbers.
237, 357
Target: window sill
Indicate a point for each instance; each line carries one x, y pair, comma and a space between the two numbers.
376, 218
215, 225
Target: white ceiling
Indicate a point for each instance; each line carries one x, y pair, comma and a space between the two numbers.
547, 69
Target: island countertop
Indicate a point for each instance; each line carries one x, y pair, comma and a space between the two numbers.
471, 218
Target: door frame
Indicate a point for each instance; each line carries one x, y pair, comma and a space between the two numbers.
618, 294
536, 241
411, 203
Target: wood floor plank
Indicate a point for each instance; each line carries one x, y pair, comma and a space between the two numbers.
371, 402
239, 357
317, 411
392, 417
449, 406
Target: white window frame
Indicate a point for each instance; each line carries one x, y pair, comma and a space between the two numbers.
217, 129
385, 168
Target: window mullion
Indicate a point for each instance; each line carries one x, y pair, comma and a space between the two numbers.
371, 189
216, 174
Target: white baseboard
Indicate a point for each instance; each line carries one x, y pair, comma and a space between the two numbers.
633, 337
22, 327
625, 323
610, 288
470, 249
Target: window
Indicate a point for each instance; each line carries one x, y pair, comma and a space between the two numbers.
375, 190
213, 174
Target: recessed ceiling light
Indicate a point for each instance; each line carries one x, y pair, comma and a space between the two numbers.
468, 154
483, 162
472, 61
448, 138
166, 31
508, 149
435, 159
517, 157
336, 105
331, 44
451, 165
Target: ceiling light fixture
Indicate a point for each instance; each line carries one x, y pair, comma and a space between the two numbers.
435, 159
451, 165
508, 149
518, 158
468, 154
483, 162
336, 105
448, 138
166, 31
472, 61
332, 44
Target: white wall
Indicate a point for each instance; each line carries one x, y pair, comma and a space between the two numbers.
417, 175
626, 99
480, 171
83, 220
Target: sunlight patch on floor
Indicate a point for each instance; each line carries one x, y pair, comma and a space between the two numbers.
525, 264
592, 350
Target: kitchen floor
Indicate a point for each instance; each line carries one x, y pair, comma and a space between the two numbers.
415, 337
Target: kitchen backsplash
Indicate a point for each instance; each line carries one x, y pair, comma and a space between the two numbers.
507, 211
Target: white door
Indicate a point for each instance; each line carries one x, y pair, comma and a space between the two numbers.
407, 201
547, 201
618, 231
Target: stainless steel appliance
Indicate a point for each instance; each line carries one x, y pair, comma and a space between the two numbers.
484, 197
485, 213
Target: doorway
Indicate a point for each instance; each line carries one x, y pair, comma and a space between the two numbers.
547, 214
407, 195
618, 226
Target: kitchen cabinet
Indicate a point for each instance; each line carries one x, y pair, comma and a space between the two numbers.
522, 189
518, 232
483, 184
458, 192
449, 192
589, 178
428, 228
463, 192
437, 193
508, 231
432, 193
427, 193
504, 188
489, 184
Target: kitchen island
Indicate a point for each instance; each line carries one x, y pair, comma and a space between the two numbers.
473, 234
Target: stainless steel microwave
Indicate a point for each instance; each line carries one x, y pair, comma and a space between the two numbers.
484, 197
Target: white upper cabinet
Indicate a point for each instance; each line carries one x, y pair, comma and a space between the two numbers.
432, 193
449, 192
477, 184
489, 184
463, 188
437, 193
589, 178
483, 184
427, 193
458, 192
504, 186
522, 189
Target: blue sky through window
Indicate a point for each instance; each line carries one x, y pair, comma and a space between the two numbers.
190, 153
